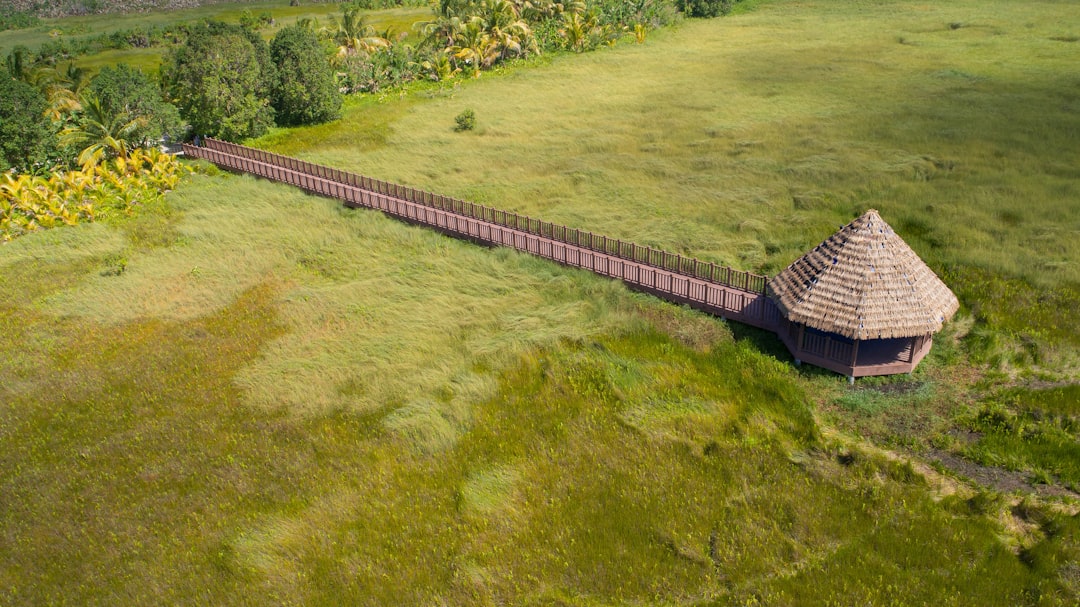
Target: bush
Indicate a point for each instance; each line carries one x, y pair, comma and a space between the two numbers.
27, 137
126, 91
18, 20
466, 121
220, 78
29, 203
706, 8
304, 91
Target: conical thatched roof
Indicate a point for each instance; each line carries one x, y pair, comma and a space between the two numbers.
864, 282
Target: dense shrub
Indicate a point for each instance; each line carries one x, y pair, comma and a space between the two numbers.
620, 13
27, 137
466, 121
19, 63
706, 8
17, 20
304, 91
220, 78
392, 66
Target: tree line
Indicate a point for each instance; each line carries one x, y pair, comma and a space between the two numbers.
226, 81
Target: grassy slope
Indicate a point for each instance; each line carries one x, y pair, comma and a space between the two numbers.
283, 401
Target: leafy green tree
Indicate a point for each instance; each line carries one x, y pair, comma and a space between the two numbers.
220, 79
27, 136
304, 91
129, 95
18, 63
706, 8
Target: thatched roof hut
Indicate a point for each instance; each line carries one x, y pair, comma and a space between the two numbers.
864, 283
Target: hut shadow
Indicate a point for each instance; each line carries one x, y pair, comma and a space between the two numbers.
762, 340
769, 344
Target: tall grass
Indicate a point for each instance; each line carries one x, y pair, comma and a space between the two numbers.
748, 140
379, 313
630, 468
284, 401
1035, 431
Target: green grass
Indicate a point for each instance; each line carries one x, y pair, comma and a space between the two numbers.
800, 118
144, 462
279, 400
1036, 431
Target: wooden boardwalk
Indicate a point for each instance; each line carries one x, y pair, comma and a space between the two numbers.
714, 289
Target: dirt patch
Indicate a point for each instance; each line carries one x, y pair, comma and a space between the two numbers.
998, 479
899, 388
965, 437
1040, 384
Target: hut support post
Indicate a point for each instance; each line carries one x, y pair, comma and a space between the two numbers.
855, 353
798, 347
916, 345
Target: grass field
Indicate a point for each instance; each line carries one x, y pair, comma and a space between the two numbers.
958, 122
279, 400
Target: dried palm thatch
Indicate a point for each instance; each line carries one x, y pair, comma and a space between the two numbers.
864, 282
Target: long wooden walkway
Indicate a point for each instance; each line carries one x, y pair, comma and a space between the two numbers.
714, 289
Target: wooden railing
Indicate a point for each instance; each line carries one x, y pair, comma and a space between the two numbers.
827, 347
656, 258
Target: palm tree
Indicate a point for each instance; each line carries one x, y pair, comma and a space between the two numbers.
62, 89
511, 34
577, 29
440, 32
353, 36
474, 47
574, 31
439, 67
101, 134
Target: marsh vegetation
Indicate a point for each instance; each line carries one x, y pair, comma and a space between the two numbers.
245, 394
